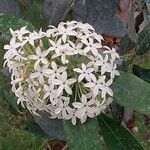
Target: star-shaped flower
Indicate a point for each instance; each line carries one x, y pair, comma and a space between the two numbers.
19, 33
83, 107
84, 73
40, 73
62, 108
91, 45
95, 84
64, 83
112, 52
39, 57
55, 71
65, 31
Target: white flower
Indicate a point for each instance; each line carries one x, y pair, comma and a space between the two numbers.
112, 52
76, 48
105, 89
39, 57
12, 45
84, 73
65, 31
64, 50
50, 32
71, 115
91, 46
64, 83
55, 45
98, 37
65, 71
83, 107
105, 65
95, 61
62, 108
112, 69
40, 73
31, 38
49, 91
19, 33
95, 84
55, 71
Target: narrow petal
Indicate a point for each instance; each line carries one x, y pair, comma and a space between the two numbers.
71, 81
84, 99
74, 120
89, 85
58, 110
78, 70
34, 75
34, 57
60, 89
81, 77
54, 65
80, 113
68, 89
77, 105
48, 71
57, 82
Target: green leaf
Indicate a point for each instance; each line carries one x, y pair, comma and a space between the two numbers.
117, 137
7, 22
34, 128
11, 100
143, 42
52, 127
141, 73
117, 111
130, 91
83, 136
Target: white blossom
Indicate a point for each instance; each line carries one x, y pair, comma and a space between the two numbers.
83, 107
64, 83
84, 73
40, 73
40, 56
55, 71
69, 76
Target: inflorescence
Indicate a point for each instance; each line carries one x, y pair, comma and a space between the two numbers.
65, 71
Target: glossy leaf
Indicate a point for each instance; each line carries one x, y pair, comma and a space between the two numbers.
117, 111
34, 128
52, 127
117, 137
141, 73
7, 22
11, 101
132, 92
83, 136
143, 43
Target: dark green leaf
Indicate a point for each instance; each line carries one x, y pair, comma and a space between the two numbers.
11, 100
83, 136
143, 42
34, 128
117, 112
52, 127
132, 92
117, 137
141, 73
7, 22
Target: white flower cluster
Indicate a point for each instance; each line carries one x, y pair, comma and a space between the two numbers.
65, 71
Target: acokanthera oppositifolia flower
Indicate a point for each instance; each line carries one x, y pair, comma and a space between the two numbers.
65, 71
